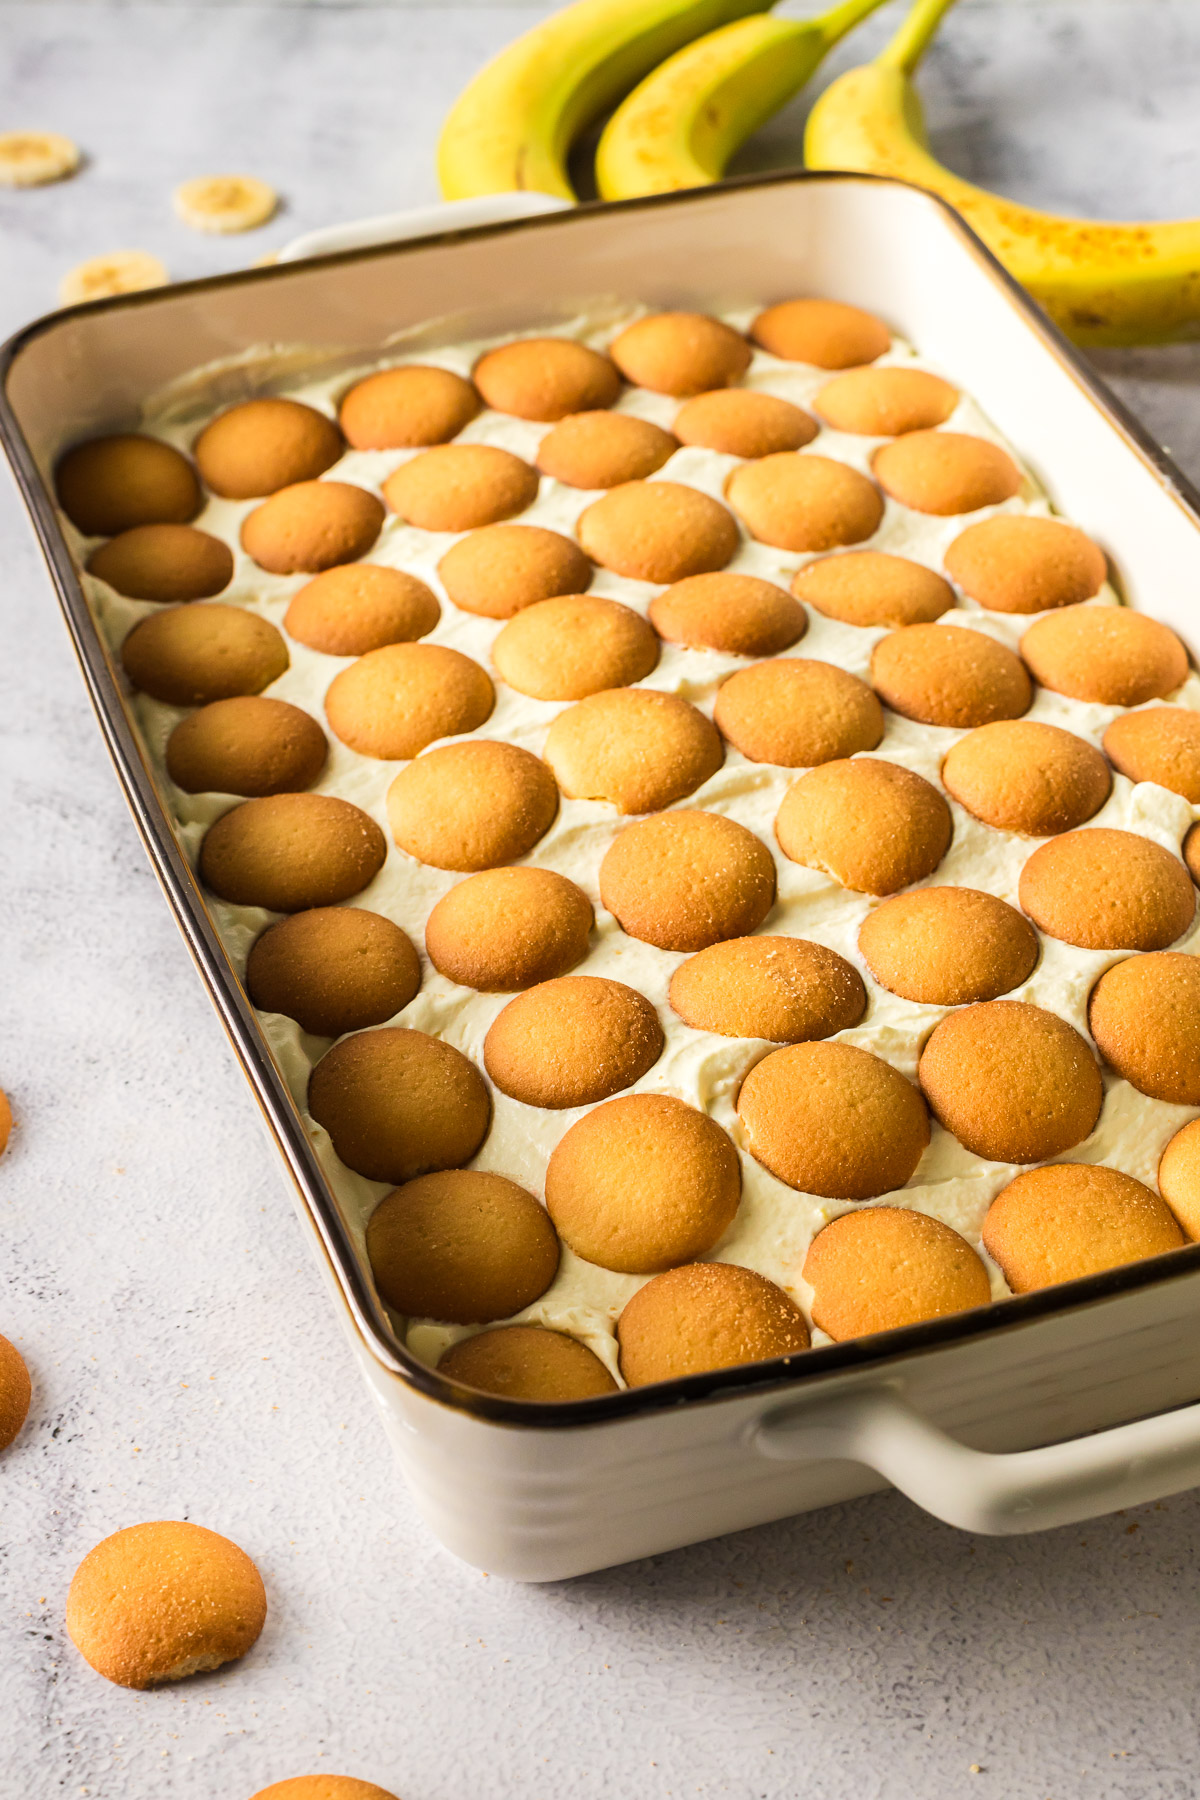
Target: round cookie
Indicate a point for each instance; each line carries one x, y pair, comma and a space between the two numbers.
407, 409
680, 353
948, 946
784, 989
190, 655
16, 1391
825, 333
462, 1246
949, 675
333, 969
249, 746
392, 702
636, 748
657, 531
1179, 1177
737, 614
264, 445
525, 1362
472, 806
834, 1120
688, 879
1074, 1219
111, 484
577, 645
1023, 564
1012, 1082
572, 1042
643, 1183
458, 487
871, 587
358, 607
885, 1267
508, 929
161, 1601
1191, 853
706, 1316
168, 563
1144, 1014
872, 825
6, 1121
945, 472
546, 378
1161, 744
1024, 776
1106, 654
885, 402
742, 422
796, 502
312, 526
399, 1103
797, 713
497, 570
323, 1787
603, 449
1107, 890
291, 851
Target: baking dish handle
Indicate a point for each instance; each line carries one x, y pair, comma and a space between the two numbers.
421, 221
1025, 1490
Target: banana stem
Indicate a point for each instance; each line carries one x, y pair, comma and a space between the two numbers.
913, 38
843, 18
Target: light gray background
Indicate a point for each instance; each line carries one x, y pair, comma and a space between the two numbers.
185, 1360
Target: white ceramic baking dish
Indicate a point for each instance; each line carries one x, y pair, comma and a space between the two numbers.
947, 1411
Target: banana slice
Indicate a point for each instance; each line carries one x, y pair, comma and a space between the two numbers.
225, 202
29, 158
120, 272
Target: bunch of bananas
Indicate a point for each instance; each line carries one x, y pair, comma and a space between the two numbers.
691, 80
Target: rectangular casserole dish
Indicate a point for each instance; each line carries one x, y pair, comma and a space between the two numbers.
948, 1410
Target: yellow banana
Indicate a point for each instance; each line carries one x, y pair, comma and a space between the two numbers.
514, 126
682, 125
1102, 283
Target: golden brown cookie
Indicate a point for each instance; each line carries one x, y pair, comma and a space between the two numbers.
796, 713
680, 353
190, 655
949, 675
248, 745
546, 378
461, 1246
870, 587
872, 825
796, 502
643, 1183
323, 1787
312, 526
1161, 744
946, 472
264, 445
501, 568
399, 1103
637, 748
1021, 775
407, 409
572, 1042
6, 1121
506, 929
568, 648
737, 614
111, 484
687, 879
1074, 1219
458, 487
604, 449
359, 607
1107, 654
785, 989
472, 806
161, 1601
291, 851
1191, 853
948, 946
1107, 890
825, 333
525, 1362
887, 1266
885, 402
16, 1391
706, 1316
394, 701
1012, 1082
741, 422
168, 563
1144, 1014
657, 531
1023, 564
333, 969
1179, 1178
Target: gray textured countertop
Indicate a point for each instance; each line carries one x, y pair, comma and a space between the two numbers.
185, 1359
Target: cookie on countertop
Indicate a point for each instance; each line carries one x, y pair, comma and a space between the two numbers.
546, 378
311, 526
498, 569
946, 472
886, 1266
1107, 654
657, 531
1161, 744
323, 1787
885, 402
168, 563
706, 1316
576, 645
1144, 1014
407, 409
796, 712
685, 880
528, 1362
825, 333
399, 1103
1179, 1177
1024, 564
949, 675
472, 806
263, 445
794, 501
6, 1121
1022, 775
111, 484
507, 929
249, 746
458, 487
785, 989
872, 587
680, 353
603, 449
358, 607
287, 852
737, 614
1107, 890
1073, 1219
16, 1392
392, 702
743, 422
190, 655
872, 825
333, 969
948, 946
636, 748
572, 1042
